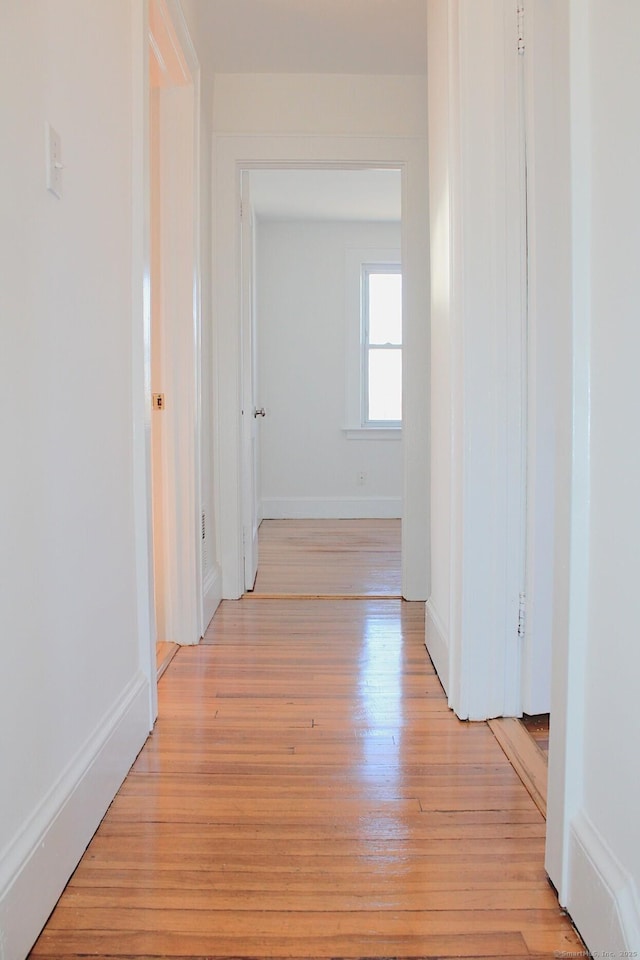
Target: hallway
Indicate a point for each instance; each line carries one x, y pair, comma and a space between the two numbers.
307, 793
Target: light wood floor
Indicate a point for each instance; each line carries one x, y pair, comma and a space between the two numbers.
538, 727
165, 652
329, 558
308, 794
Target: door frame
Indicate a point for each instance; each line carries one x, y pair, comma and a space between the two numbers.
140, 350
232, 155
477, 652
141, 335
180, 507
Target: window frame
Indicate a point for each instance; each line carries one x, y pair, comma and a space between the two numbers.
367, 270
355, 258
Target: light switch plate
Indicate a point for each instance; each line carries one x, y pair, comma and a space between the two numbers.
53, 152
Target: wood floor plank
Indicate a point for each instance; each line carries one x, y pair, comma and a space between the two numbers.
290, 944
383, 898
252, 889
438, 827
308, 794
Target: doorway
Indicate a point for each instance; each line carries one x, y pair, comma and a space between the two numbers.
233, 155
322, 346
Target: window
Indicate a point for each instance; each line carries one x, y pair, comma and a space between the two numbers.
381, 340
373, 343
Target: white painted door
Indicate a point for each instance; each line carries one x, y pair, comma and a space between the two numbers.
251, 414
549, 305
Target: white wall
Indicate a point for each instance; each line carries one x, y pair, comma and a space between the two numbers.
319, 103
74, 689
308, 466
597, 660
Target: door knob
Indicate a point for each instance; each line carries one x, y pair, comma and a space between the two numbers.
260, 412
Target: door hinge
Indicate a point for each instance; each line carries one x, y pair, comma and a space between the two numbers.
520, 15
204, 526
522, 612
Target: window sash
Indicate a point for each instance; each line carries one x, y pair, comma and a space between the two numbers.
367, 347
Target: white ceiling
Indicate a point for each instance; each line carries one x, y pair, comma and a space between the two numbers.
315, 36
326, 194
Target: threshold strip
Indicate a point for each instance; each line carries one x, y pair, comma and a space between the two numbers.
525, 756
252, 595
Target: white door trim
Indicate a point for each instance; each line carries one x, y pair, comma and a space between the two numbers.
572, 475
232, 154
480, 659
183, 548
140, 354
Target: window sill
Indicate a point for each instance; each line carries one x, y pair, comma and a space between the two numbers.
372, 433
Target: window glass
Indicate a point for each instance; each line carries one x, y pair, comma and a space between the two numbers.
385, 385
385, 308
382, 345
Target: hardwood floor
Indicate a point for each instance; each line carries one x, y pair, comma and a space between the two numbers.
538, 727
307, 793
165, 652
526, 757
329, 558
526, 745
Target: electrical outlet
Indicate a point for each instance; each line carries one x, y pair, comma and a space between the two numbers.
361, 478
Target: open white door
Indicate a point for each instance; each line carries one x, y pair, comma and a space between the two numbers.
549, 305
251, 415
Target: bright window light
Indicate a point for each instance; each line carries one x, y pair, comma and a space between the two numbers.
382, 344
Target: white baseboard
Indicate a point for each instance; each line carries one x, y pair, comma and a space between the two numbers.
212, 590
603, 898
332, 508
437, 644
37, 865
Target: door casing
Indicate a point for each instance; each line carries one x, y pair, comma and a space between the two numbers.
177, 517
233, 155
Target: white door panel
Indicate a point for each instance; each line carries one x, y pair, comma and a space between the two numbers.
250, 417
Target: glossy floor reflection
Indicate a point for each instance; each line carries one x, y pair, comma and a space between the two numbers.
307, 793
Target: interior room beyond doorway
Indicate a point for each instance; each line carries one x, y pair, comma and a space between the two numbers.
318, 346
